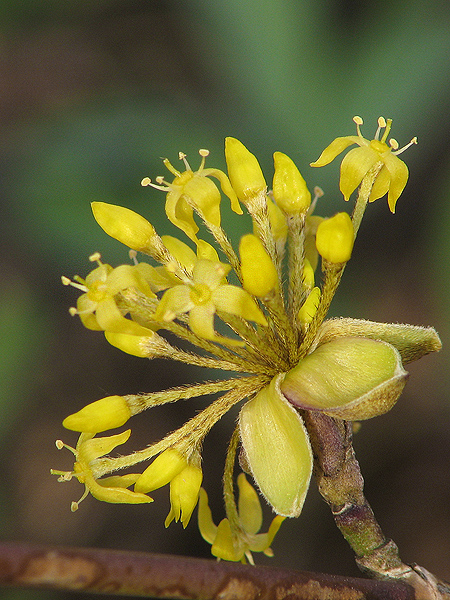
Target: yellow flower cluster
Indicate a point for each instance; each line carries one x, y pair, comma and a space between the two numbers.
257, 312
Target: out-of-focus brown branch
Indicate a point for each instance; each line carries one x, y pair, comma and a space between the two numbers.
164, 576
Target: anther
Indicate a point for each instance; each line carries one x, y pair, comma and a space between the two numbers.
74, 506
203, 152
133, 254
393, 144
160, 179
146, 181
65, 280
59, 444
73, 311
95, 257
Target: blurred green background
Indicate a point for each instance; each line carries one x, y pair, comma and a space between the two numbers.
92, 95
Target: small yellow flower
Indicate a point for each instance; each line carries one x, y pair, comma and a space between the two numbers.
192, 191
357, 163
110, 489
235, 545
97, 307
204, 296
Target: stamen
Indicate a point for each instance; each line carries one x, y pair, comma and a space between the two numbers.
182, 156
381, 125
66, 281
318, 193
413, 141
160, 179
358, 122
60, 445
133, 254
74, 505
387, 130
203, 153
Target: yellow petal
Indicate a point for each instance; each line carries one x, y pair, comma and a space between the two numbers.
223, 546
181, 214
354, 166
399, 176
237, 301
336, 147
249, 506
184, 490
206, 525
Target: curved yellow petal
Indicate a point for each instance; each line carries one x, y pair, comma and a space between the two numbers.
336, 147
354, 166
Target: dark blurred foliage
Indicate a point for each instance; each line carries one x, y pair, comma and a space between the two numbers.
92, 95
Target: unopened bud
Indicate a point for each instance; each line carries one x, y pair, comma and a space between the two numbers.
289, 187
163, 469
244, 171
104, 414
259, 275
125, 225
335, 237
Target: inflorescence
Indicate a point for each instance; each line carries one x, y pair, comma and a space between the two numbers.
260, 313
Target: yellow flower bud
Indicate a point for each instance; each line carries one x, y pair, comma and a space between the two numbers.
104, 414
184, 490
309, 307
289, 187
125, 225
163, 469
131, 344
277, 449
259, 275
244, 171
308, 274
335, 237
352, 378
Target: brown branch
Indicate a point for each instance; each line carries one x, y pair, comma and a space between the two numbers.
341, 485
163, 576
